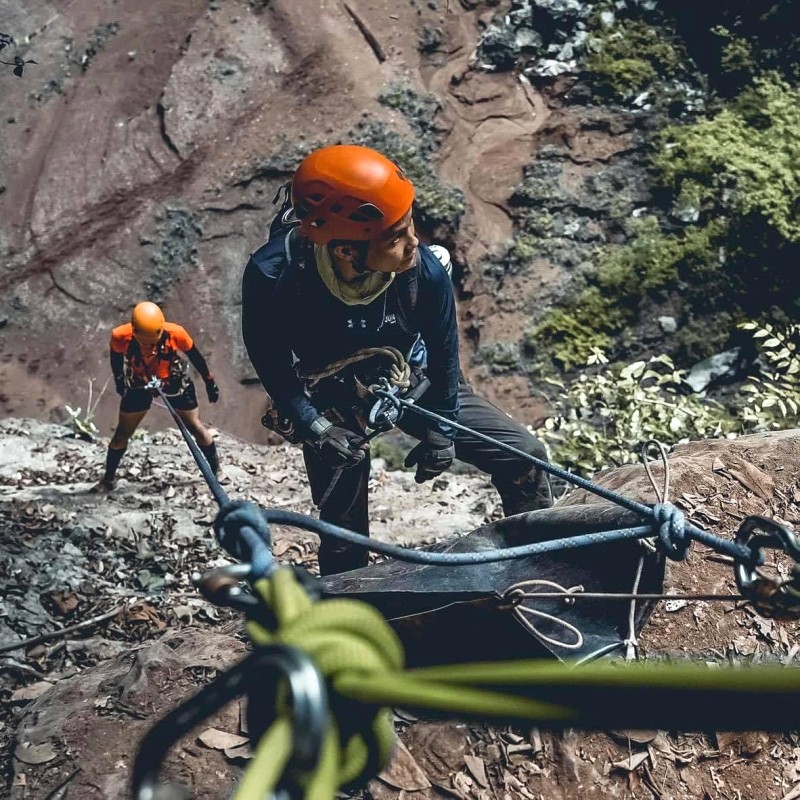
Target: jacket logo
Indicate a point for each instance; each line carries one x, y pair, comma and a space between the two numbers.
353, 324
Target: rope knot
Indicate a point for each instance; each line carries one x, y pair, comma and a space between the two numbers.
243, 532
671, 523
345, 639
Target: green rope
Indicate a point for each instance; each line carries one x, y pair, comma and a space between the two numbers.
362, 661
268, 763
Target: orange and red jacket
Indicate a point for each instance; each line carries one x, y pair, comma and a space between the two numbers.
141, 369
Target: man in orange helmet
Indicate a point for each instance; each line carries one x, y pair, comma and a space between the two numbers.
344, 271
141, 350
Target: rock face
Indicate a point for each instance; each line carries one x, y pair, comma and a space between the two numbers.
140, 155
133, 171
83, 702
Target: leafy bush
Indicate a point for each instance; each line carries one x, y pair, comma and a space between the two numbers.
606, 416
772, 399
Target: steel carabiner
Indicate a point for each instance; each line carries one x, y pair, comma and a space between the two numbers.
310, 714
771, 598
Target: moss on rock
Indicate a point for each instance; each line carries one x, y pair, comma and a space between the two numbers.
630, 56
744, 160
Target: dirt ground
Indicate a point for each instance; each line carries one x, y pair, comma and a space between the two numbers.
73, 556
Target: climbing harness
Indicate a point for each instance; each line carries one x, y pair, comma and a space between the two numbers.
383, 416
324, 674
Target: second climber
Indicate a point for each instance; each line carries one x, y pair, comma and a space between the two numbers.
144, 349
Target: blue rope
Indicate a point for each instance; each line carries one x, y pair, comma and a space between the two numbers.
318, 526
674, 530
246, 536
243, 531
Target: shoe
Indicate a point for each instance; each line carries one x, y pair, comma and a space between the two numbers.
103, 486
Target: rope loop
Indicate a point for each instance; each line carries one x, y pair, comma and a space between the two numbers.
243, 532
344, 639
671, 523
399, 370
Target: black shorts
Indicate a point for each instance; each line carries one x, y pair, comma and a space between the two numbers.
138, 399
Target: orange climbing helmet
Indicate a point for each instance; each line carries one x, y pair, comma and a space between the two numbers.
148, 322
348, 192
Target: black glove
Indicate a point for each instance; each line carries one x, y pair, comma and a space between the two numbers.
339, 447
433, 455
119, 383
212, 390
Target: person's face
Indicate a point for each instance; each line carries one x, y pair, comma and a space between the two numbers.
396, 248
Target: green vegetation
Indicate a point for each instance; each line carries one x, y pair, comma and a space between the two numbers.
609, 299
630, 56
605, 416
773, 397
81, 422
744, 161
569, 335
737, 54
739, 39
736, 174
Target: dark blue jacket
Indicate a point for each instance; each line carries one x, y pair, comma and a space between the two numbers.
290, 319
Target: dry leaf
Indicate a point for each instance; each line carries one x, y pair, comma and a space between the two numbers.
280, 548
632, 762
462, 784
243, 728
635, 736
30, 692
754, 479
403, 771
220, 740
244, 752
477, 769
35, 753
65, 602
661, 744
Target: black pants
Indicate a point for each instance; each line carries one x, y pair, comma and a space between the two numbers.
521, 486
